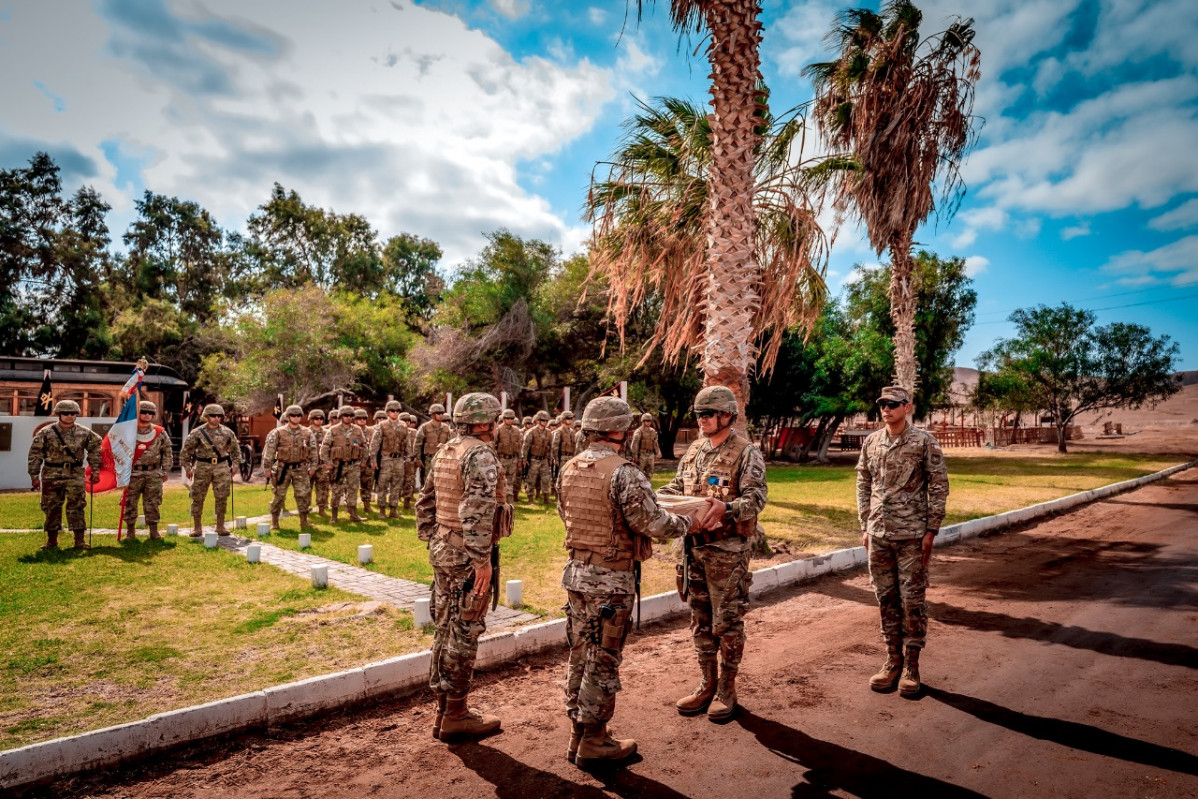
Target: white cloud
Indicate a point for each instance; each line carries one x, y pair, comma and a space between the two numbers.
512, 9
1075, 231
1175, 263
797, 38
597, 16
976, 264
1182, 217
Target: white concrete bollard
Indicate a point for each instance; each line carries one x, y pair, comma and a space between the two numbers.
263, 529
240, 523
320, 576
253, 553
515, 593
420, 612
141, 520
210, 540
305, 540
172, 529
365, 553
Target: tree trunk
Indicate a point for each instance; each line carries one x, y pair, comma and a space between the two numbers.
732, 298
1062, 428
805, 453
902, 311
829, 432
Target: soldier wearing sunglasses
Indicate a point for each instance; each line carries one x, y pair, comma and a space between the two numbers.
902, 487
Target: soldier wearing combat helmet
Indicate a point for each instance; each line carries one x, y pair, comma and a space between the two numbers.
726, 467
413, 462
508, 440
461, 514
342, 450
153, 459
210, 457
645, 450
535, 452
429, 438
320, 479
902, 488
389, 453
58, 455
562, 448
611, 515
289, 458
366, 468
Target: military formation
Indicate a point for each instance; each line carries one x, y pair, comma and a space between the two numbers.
598, 470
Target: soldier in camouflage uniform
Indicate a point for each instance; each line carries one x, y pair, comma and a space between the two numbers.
289, 458
409, 474
389, 453
610, 514
154, 461
561, 447
320, 478
580, 439
902, 488
721, 465
508, 442
535, 452
209, 457
366, 468
645, 450
456, 514
57, 457
342, 451
429, 438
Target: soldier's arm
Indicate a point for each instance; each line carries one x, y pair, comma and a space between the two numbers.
480, 477
234, 449
313, 450
937, 471
632, 493
420, 432
525, 444
426, 511
168, 452
753, 489
37, 448
268, 450
187, 454
864, 486
326, 445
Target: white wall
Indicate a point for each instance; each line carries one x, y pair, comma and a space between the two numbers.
13, 473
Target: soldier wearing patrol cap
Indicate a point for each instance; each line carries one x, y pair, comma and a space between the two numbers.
320, 478
611, 515
535, 452
429, 438
645, 449
153, 459
902, 488
413, 462
508, 440
389, 454
727, 468
341, 450
209, 457
58, 455
461, 514
289, 458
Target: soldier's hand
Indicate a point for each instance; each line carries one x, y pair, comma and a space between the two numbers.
190, 473
715, 514
865, 539
482, 579
93, 478
929, 540
37, 485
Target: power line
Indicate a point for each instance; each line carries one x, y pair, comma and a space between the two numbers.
1113, 307
1119, 294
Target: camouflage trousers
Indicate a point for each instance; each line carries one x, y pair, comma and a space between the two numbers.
596, 651
538, 478
146, 487
409, 479
366, 482
455, 641
218, 476
346, 487
719, 600
647, 463
511, 475
391, 479
57, 491
900, 582
301, 486
320, 486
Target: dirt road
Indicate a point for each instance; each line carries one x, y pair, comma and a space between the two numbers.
1062, 662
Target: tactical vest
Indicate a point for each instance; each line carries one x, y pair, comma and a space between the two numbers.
346, 444
726, 486
647, 443
291, 446
539, 446
567, 443
448, 483
434, 436
507, 441
595, 532
394, 439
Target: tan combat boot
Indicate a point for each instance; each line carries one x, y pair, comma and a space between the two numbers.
575, 739
407, 503
197, 527
220, 525
597, 747
697, 700
724, 704
333, 517
51, 540
909, 684
440, 717
274, 522
154, 534
393, 513
461, 721
304, 521
321, 510
131, 531
353, 514
885, 679
366, 509
80, 540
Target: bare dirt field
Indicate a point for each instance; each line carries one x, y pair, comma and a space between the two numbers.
1062, 662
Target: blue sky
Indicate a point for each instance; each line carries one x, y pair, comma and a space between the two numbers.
450, 118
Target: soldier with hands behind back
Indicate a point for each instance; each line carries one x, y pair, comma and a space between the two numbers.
289, 458
210, 457
429, 438
320, 477
645, 449
58, 455
342, 450
535, 452
389, 452
508, 442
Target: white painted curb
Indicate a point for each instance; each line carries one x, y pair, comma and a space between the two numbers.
403, 675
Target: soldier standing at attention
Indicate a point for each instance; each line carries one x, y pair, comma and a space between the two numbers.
409, 474
644, 446
902, 488
561, 448
535, 452
149, 471
209, 457
366, 469
289, 458
580, 440
389, 454
727, 468
508, 441
456, 515
56, 463
342, 451
610, 514
320, 478
431, 435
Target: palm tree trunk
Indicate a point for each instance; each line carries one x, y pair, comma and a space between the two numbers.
902, 311
732, 298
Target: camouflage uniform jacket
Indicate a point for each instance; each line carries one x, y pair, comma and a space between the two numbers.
397, 431
508, 440
304, 441
750, 474
632, 496
197, 449
430, 436
562, 448
902, 484
480, 480
156, 454
46, 449
537, 437
644, 442
369, 432
343, 439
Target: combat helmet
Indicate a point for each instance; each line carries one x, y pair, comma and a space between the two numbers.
526, 420
436, 408
476, 407
145, 406
542, 416
716, 398
214, 410
509, 414
605, 415
316, 413
379, 415
293, 409
360, 413
405, 417
335, 414
393, 405
567, 416
646, 417
66, 406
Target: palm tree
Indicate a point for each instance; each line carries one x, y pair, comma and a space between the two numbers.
901, 108
723, 283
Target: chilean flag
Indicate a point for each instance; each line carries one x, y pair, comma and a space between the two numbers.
118, 451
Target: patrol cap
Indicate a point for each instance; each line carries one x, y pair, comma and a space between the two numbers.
360, 413
293, 410
509, 414
895, 394
393, 405
145, 406
214, 410
542, 416
316, 413
437, 408
66, 406
380, 415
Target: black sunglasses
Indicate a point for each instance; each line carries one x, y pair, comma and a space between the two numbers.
68, 413
705, 414
891, 404
145, 413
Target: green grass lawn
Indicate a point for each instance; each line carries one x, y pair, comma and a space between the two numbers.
94, 638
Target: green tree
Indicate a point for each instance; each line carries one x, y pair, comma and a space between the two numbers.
1069, 366
411, 263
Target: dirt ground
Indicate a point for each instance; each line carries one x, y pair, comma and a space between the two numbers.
1062, 662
